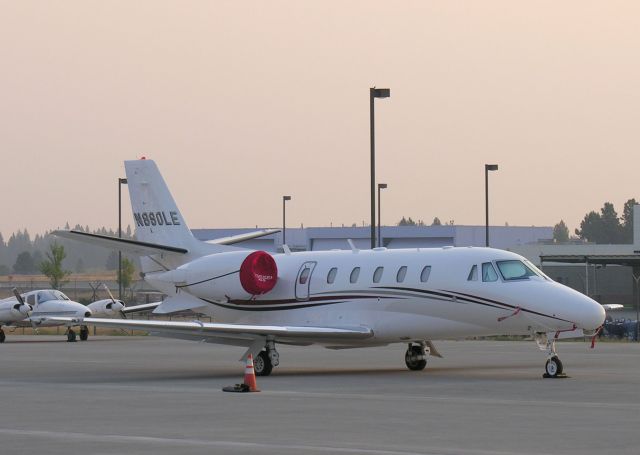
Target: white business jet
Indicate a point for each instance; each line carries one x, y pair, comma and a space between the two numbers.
36, 308
338, 299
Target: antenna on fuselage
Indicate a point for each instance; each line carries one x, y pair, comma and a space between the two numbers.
353, 247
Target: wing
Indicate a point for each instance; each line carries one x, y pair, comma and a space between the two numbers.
235, 334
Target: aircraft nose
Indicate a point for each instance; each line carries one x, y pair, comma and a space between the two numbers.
591, 314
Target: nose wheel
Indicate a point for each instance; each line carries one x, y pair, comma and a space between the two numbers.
553, 368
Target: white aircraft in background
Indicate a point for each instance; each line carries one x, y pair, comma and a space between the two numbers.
36, 308
338, 299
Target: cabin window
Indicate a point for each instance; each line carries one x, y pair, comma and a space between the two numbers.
488, 272
402, 272
304, 276
424, 275
514, 270
377, 275
331, 277
473, 274
355, 273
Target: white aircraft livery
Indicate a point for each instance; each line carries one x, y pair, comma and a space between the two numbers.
338, 299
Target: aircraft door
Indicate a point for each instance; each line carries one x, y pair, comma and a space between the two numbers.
303, 280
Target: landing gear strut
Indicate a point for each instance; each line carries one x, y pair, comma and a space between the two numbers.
265, 361
415, 358
2, 336
71, 335
84, 333
553, 367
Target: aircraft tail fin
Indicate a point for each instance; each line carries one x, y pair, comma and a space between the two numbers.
156, 216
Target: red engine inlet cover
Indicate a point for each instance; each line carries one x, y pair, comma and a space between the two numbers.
258, 273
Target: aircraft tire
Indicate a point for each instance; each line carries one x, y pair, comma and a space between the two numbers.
71, 336
411, 362
84, 333
553, 367
262, 364
2, 336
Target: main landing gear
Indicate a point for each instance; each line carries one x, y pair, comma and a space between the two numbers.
265, 361
416, 357
84, 334
2, 336
553, 368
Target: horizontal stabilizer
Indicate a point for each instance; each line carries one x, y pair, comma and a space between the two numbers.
115, 243
140, 308
242, 237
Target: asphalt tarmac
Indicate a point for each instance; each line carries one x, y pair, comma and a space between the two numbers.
144, 395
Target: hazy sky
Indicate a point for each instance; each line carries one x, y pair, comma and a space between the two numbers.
242, 102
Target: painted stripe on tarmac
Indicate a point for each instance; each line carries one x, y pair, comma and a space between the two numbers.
240, 445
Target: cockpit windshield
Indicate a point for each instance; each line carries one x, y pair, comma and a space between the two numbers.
515, 270
44, 296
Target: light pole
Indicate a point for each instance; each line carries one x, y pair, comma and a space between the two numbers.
374, 93
381, 186
121, 182
284, 218
487, 168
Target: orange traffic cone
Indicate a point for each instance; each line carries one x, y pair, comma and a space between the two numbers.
250, 375
249, 384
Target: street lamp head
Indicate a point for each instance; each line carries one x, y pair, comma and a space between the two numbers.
286, 198
122, 181
491, 167
382, 186
380, 92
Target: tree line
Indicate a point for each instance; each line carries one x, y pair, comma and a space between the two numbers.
604, 227
22, 254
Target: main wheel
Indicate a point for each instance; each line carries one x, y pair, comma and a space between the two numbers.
553, 367
84, 333
415, 358
2, 336
262, 364
71, 335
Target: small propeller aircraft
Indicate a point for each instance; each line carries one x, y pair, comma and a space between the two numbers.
36, 308
338, 299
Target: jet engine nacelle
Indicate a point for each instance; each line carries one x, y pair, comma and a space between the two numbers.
106, 308
236, 275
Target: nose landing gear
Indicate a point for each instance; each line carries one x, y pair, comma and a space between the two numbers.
553, 368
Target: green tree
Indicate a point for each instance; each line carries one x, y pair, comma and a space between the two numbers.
436, 222
406, 222
52, 266
560, 232
627, 221
24, 264
125, 276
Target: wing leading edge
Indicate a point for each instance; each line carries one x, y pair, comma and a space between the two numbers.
228, 333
